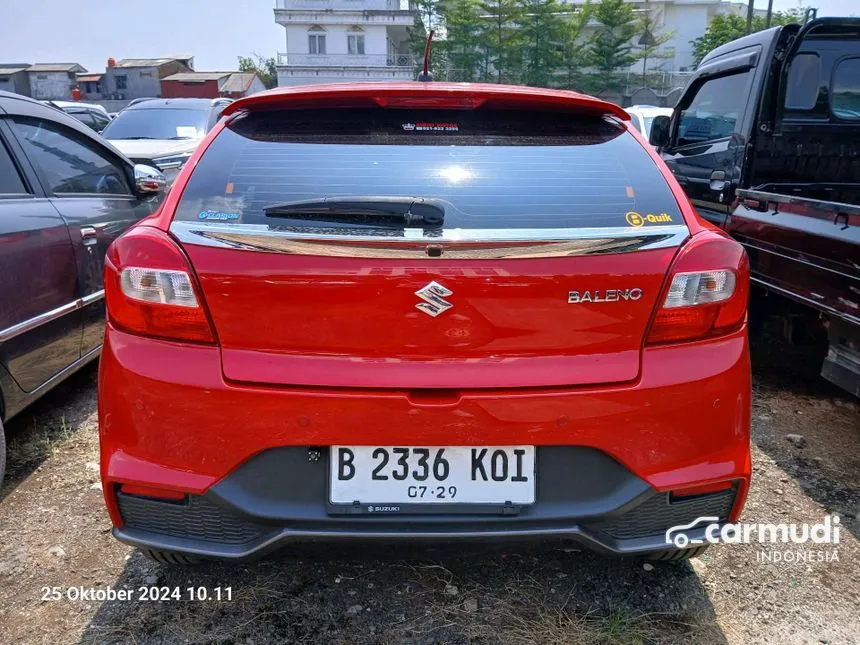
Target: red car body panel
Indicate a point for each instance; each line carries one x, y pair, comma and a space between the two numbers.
518, 366
512, 326
684, 406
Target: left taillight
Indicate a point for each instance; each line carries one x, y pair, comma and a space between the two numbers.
707, 292
150, 289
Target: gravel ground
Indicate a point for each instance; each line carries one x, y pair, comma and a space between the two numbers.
55, 537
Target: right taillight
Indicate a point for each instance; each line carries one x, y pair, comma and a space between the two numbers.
150, 289
707, 292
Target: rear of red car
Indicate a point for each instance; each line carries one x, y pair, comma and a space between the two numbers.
422, 311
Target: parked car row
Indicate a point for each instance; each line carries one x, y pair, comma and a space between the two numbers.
158, 132
65, 195
90, 114
164, 132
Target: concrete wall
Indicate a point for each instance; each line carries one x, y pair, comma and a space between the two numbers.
141, 82
51, 85
18, 83
256, 86
179, 89
687, 22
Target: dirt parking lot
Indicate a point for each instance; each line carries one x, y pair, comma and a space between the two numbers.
55, 539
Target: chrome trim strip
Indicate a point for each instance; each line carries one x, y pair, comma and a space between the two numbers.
449, 244
92, 297
36, 321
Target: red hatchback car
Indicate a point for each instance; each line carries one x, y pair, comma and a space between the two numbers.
423, 311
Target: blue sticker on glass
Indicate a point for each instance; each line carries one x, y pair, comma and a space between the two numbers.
217, 215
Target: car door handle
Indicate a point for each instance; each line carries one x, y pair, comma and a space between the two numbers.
718, 180
89, 235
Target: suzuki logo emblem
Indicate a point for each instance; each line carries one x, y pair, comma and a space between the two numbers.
433, 295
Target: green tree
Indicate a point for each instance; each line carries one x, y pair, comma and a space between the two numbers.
611, 47
464, 31
429, 18
265, 68
574, 50
724, 29
501, 41
417, 41
541, 28
650, 39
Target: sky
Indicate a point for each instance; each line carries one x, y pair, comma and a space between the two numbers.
89, 32
214, 31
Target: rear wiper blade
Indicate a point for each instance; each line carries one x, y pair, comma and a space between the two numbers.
411, 211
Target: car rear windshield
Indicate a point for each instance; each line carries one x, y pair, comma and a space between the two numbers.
501, 169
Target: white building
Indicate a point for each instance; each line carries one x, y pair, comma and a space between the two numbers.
685, 20
331, 41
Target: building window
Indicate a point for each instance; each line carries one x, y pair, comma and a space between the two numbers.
355, 43
121, 82
316, 43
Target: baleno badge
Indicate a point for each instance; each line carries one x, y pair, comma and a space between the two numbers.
433, 295
610, 295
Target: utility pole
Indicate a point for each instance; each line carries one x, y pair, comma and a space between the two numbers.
769, 12
750, 16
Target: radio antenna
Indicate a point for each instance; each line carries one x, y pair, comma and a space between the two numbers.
426, 76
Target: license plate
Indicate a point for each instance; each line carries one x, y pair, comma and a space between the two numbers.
432, 475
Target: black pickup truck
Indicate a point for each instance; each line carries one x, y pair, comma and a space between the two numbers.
766, 142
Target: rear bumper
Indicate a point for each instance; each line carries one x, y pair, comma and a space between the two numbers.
278, 498
606, 458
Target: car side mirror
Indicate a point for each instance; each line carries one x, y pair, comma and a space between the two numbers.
148, 180
659, 137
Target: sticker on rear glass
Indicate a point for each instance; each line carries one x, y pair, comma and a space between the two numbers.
431, 126
186, 131
635, 219
217, 216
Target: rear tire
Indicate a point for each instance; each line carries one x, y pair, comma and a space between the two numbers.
170, 558
676, 555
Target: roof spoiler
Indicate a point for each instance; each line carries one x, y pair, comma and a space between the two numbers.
425, 95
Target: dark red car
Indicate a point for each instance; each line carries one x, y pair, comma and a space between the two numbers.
423, 311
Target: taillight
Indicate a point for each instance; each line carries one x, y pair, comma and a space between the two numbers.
707, 293
150, 289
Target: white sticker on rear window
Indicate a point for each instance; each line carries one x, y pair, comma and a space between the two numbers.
186, 131
431, 126
217, 216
